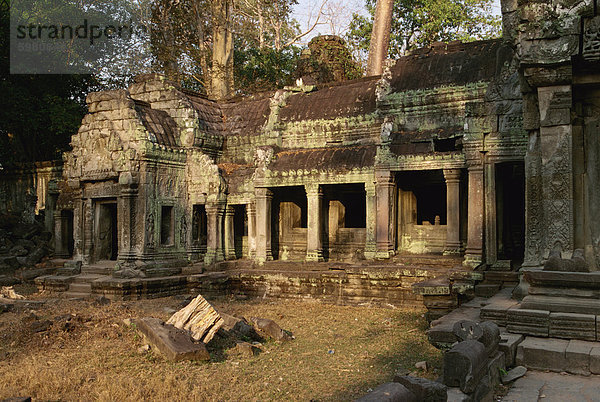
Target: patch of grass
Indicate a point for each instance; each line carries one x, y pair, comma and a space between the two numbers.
98, 359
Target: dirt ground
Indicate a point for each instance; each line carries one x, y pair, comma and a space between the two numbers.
81, 350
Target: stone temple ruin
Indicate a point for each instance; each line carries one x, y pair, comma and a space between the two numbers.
459, 169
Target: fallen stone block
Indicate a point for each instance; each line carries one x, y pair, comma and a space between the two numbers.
542, 354
484, 392
425, 390
270, 329
495, 369
514, 374
467, 330
198, 317
465, 365
529, 322
577, 357
390, 392
173, 343
572, 326
508, 345
246, 349
456, 395
490, 337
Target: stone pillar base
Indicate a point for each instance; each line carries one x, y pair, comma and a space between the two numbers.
383, 255
452, 249
472, 260
212, 256
314, 256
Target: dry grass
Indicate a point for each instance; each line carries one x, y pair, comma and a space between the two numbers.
97, 357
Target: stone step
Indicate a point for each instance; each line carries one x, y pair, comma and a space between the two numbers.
97, 270
487, 289
502, 276
428, 260
80, 288
76, 295
87, 278
574, 356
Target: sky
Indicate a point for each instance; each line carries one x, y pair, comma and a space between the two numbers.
335, 19
336, 15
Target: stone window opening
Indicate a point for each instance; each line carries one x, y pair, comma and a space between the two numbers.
166, 225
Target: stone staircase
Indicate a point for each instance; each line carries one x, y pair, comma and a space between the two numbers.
527, 341
99, 268
81, 286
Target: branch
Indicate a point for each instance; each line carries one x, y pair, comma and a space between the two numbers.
301, 35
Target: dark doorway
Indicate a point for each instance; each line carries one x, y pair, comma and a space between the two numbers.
107, 244
67, 231
510, 211
199, 226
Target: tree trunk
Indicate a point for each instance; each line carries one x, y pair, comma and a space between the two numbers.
380, 36
222, 56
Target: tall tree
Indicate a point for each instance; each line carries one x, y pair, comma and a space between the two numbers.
418, 23
222, 50
380, 36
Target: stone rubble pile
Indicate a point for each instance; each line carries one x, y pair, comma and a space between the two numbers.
22, 246
185, 335
473, 368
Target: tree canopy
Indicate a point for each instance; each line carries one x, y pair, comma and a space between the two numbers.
418, 23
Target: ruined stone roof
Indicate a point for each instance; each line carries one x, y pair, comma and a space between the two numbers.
209, 113
246, 116
455, 63
158, 123
333, 158
345, 99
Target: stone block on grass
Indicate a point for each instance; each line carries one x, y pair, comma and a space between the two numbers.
173, 343
389, 392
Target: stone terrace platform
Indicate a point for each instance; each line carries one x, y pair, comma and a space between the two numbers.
341, 283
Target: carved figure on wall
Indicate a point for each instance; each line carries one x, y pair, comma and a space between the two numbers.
150, 230
183, 231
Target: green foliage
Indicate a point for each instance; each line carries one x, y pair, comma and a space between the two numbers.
418, 23
263, 69
38, 113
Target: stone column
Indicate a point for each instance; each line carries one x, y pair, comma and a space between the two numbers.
126, 210
264, 197
384, 227
213, 246
78, 230
453, 245
556, 144
491, 217
314, 240
88, 229
251, 211
473, 254
371, 212
229, 234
